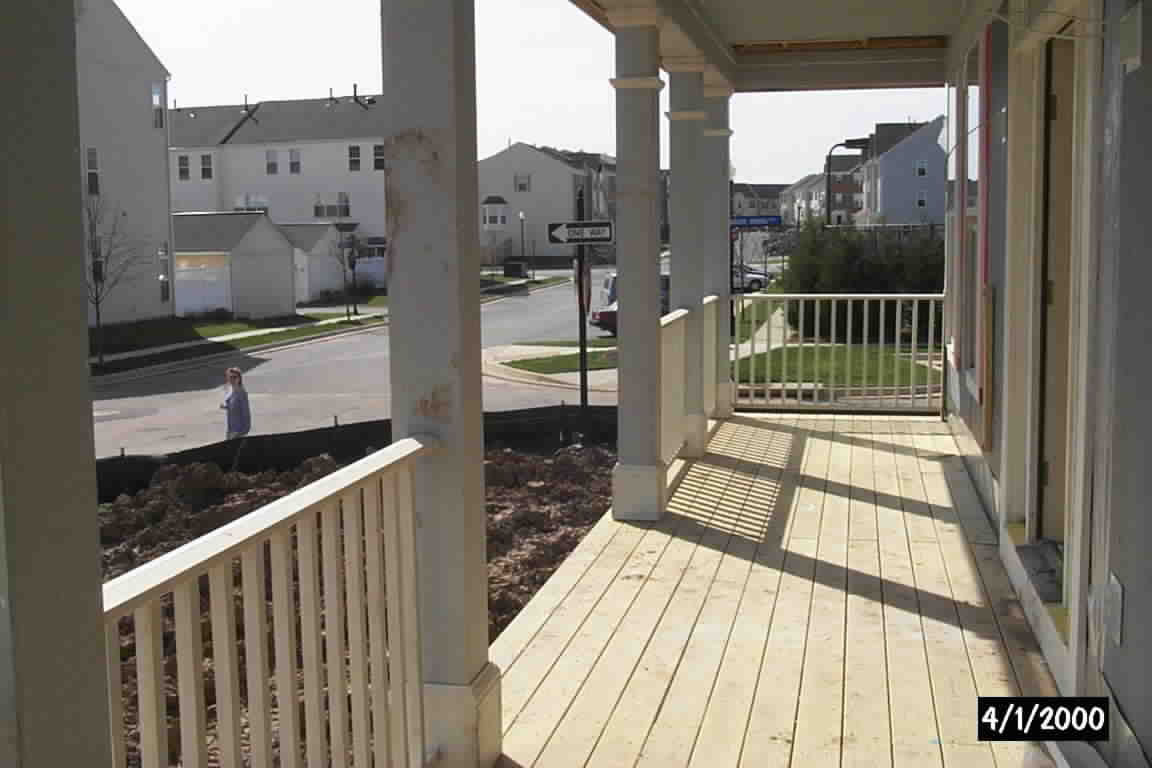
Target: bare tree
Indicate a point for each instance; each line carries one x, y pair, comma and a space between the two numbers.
111, 255
345, 251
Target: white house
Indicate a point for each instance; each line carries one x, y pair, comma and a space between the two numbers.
904, 176
540, 183
318, 270
803, 200
303, 160
124, 144
237, 261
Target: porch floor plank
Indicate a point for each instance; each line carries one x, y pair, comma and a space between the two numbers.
823, 591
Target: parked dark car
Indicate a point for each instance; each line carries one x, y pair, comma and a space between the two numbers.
605, 317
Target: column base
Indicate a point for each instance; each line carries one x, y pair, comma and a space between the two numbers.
695, 436
725, 399
463, 721
639, 492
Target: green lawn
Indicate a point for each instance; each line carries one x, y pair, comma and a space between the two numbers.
592, 343
597, 361
215, 348
162, 331
828, 364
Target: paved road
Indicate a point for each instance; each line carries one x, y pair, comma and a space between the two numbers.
305, 386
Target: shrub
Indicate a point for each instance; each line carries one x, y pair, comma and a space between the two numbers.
863, 262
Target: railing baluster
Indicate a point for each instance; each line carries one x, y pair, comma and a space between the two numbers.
284, 622
864, 390
784, 354
116, 692
377, 626
834, 350
190, 674
334, 628
897, 334
310, 640
352, 504
413, 698
851, 342
915, 345
930, 390
153, 710
880, 394
769, 366
800, 372
256, 655
226, 673
752, 349
817, 374
397, 669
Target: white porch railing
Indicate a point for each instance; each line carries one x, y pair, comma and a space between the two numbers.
711, 310
672, 418
839, 351
317, 592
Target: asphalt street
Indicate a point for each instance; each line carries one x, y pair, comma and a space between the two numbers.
309, 385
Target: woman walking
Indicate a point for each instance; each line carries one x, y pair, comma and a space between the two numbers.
236, 405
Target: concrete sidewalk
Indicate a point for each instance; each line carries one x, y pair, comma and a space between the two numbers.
494, 363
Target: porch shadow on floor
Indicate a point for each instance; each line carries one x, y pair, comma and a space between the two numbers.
822, 591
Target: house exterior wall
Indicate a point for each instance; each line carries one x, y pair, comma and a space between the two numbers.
117, 75
241, 179
325, 272
898, 186
263, 273
551, 198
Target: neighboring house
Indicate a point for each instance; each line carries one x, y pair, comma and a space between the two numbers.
904, 175
302, 160
844, 189
124, 143
237, 261
540, 183
803, 200
756, 199
319, 270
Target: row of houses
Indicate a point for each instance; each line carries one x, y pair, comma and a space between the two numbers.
897, 178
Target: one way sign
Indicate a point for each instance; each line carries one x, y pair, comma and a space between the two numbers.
581, 233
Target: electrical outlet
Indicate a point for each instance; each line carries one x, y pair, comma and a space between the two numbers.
1131, 38
1114, 609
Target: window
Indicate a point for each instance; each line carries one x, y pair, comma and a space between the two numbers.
354, 157
165, 285
503, 219
522, 182
157, 105
271, 162
922, 200
206, 166
294, 161
921, 168
344, 204
378, 157
93, 167
182, 171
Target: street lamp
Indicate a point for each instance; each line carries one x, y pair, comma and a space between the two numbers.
523, 257
847, 144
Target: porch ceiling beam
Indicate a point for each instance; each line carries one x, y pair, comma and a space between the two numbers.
842, 70
694, 24
978, 14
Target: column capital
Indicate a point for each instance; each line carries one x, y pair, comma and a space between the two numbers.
687, 114
684, 64
653, 83
635, 17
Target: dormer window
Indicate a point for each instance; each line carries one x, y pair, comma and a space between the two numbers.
493, 213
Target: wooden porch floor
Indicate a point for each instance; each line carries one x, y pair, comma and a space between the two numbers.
824, 591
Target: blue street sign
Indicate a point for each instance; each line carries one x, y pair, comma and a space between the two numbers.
757, 221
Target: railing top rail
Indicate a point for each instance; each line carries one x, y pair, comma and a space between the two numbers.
123, 593
856, 296
710, 300
673, 317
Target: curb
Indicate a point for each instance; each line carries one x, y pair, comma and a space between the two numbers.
162, 368
504, 373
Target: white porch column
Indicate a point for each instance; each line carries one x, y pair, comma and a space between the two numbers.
689, 214
716, 177
53, 691
433, 222
638, 483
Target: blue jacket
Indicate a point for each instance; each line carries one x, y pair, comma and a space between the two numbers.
239, 416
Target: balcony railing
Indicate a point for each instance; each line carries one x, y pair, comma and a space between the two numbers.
310, 602
840, 351
710, 308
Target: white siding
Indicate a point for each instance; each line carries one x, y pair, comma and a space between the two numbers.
550, 199
241, 170
117, 73
263, 273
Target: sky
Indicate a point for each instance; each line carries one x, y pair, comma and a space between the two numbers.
542, 69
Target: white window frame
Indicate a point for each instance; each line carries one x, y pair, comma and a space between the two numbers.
183, 168
522, 182
206, 169
92, 172
355, 158
157, 105
271, 162
294, 162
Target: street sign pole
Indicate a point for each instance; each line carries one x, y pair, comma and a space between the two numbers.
581, 292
